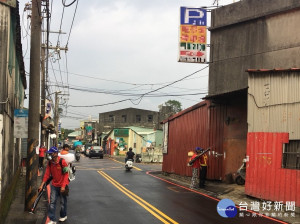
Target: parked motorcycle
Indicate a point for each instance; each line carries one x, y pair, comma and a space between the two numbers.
129, 164
77, 156
241, 174
138, 158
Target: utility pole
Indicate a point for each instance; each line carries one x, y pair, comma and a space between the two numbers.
56, 117
43, 95
34, 106
43, 75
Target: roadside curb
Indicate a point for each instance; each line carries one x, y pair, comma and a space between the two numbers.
237, 196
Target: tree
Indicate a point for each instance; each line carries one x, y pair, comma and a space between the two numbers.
65, 133
175, 105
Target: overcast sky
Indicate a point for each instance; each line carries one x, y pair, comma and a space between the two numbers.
118, 50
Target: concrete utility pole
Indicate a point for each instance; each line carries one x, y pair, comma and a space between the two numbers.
45, 48
56, 117
34, 106
43, 76
43, 95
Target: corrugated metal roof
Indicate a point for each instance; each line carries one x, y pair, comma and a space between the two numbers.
141, 130
74, 134
273, 70
230, 94
196, 106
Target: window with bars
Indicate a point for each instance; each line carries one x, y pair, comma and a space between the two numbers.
111, 118
291, 155
124, 118
150, 118
138, 118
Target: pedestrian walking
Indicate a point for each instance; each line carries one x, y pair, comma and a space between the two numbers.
57, 169
42, 150
195, 169
65, 149
203, 169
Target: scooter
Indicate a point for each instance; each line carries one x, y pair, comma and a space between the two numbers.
138, 158
129, 164
77, 156
241, 174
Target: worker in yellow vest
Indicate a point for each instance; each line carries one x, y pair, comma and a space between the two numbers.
203, 169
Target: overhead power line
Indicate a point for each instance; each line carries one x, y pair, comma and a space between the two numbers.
72, 19
67, 5
144, 94
141, 97
122, 82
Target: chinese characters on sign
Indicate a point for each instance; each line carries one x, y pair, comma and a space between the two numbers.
192, 46
21, 123
277, 209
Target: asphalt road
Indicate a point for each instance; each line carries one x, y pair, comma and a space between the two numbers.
104, 192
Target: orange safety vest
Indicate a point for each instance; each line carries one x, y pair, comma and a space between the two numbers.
203, 160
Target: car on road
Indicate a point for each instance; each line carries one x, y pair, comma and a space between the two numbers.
96, 151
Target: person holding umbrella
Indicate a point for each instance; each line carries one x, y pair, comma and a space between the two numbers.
77, 146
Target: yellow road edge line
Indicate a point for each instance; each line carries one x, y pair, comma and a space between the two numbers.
124, 165
140, 203
145, 202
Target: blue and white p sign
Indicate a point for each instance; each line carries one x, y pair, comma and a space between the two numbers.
192, 16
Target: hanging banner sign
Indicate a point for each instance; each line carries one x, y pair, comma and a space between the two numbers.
192, 39
21, 123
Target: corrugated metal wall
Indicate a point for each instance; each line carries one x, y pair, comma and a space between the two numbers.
201, 125
187, 131
274, 102
264, 177
220, 125
216, 141
273, 118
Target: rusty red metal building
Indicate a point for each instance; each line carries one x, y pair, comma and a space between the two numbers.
187, 129
265, 177
210, 123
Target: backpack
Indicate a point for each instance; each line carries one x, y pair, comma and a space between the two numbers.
71, 169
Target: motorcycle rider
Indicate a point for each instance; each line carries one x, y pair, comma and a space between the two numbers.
77, 152
129, 155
